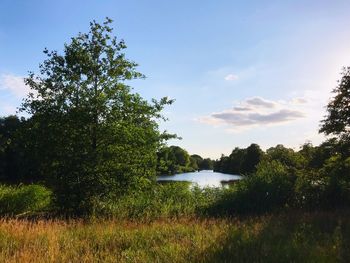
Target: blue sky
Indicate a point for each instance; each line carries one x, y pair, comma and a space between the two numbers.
240, 71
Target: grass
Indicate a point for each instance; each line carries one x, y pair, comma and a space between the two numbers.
172, 222
173, 199
287, 237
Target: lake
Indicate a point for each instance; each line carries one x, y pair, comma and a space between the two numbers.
202, 178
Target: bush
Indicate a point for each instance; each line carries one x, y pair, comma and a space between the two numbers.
309, 190
246, 196
24, 199
171, 199
327, 187
271, 187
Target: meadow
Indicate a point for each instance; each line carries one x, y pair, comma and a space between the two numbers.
291, 236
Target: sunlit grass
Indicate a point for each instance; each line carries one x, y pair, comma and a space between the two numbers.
288, 237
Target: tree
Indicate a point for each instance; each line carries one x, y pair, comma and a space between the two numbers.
206, 164
252, 158
194, 163
11, 152
286, 156
337, 120
182, 157
197, 161
231, 164
173, 160
93, 136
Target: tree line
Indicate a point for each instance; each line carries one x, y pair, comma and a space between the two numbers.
174, 159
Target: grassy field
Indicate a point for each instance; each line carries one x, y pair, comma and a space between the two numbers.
287, 237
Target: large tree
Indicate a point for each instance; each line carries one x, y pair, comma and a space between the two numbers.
337, 120
252, 157
94, 137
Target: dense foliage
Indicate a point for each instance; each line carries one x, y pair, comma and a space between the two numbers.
174, 160
88, 135
240, 161
337, 120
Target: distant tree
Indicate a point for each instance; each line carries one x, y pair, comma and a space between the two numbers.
206, 164
231, 164
337, 120
173, 160
221, 165
286, 156
182, 157
236, 160
252, 158
203, 164
163, 161
198, 159
194, 164
93, 136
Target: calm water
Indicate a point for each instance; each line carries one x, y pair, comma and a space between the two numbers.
202, 178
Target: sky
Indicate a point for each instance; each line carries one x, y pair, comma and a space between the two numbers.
241, 72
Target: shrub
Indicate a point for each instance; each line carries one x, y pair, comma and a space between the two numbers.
171, 199
309, 190
24, 199
271, 187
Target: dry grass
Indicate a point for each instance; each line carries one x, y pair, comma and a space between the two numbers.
107, 241
290, 237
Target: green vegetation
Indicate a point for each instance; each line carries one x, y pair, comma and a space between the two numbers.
24, 200
287, 237
97, 147
88, 135
167, 200
174, 160
337, 121
240, 161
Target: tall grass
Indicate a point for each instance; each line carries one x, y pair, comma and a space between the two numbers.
175, 199
288, 237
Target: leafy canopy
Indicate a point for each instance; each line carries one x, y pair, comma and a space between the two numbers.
94, 137
337, 120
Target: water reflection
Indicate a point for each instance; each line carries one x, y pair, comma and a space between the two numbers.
202, 178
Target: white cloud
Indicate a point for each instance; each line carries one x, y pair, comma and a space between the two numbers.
254, 112
260, 102
14, 84
231, 77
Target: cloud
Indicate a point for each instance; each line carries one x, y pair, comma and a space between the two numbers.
239, 108
299, 101
255, 118
14, 84
260, 102
231, 77
254, 112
